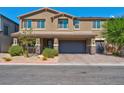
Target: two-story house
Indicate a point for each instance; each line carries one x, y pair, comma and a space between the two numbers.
7, 26
62, 31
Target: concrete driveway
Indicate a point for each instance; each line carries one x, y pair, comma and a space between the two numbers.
90, 59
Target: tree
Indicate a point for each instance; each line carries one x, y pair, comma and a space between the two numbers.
114, 33
25, 40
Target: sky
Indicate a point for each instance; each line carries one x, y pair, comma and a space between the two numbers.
14, 12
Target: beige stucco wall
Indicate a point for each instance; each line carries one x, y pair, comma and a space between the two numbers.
85, 25
52, 25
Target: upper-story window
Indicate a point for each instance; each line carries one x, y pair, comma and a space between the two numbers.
97, 24
41, 23
76, 24
28, 23
63, 23
6, 30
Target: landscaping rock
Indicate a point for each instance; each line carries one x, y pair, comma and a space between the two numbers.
40, 56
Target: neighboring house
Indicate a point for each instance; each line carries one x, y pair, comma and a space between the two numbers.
64, 32
7, 26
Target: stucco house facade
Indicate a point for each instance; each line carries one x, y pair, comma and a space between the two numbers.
62, 31
7, 26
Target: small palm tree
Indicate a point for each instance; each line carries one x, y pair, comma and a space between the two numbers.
114, 33
25, 40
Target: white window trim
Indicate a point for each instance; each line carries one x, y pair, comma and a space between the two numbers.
63, 29
74, 26
96, 25
26, 29
42, 28
63, 26
77, 28
26, 24
39, 28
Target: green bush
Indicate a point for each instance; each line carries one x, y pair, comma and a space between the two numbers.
15, 50
116, 53
55, 52
50, 53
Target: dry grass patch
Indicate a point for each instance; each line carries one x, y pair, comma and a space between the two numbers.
44, 58
7, 59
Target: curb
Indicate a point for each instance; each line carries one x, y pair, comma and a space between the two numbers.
56, 64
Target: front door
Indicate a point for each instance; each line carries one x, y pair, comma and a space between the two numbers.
100, 47
50, 43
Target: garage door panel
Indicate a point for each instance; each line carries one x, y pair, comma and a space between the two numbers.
72, 47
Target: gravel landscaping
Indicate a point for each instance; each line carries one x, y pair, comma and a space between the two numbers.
22, 59
63, 59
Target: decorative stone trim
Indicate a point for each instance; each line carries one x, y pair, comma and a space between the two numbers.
56, 44
93, 43
92, 50
37, 41
37, 45
15, 41
92, 46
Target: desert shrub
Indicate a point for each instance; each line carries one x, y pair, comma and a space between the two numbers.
25, 53
50, 53
116, 53
44, 58
55, 52
15, 50
7, 59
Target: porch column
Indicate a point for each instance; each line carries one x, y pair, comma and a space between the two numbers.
88, 45
37, 45
41, 44
56, 44
93, 46
105, 47
15, 41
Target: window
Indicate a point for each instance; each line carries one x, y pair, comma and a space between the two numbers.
41, 23
76, 24
6, 28
96, 24
62, 23
28, 23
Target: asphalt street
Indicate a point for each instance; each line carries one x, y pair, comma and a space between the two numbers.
61, 75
